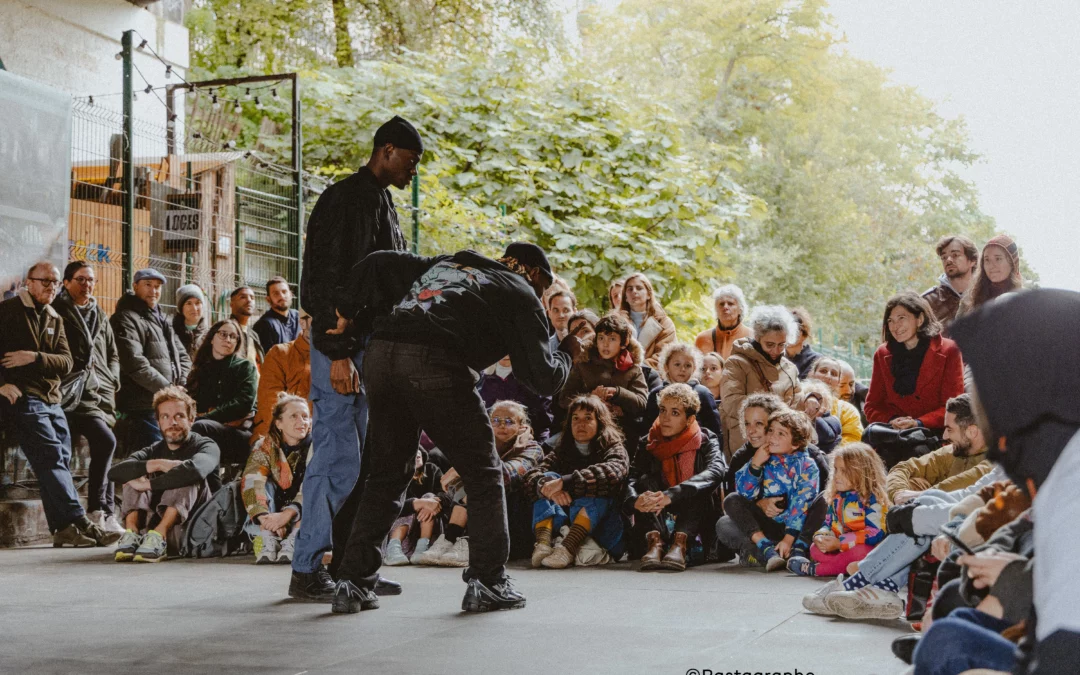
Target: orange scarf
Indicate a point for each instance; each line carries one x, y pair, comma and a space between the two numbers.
676, 455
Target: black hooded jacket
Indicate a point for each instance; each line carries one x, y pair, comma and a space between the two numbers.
472, 305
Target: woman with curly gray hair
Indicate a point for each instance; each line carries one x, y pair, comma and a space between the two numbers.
757, 364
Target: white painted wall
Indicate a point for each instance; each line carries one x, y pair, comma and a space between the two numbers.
72, 44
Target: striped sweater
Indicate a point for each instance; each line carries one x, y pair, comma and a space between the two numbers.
854, 521
601, 474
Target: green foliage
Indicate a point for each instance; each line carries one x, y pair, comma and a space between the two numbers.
605, 189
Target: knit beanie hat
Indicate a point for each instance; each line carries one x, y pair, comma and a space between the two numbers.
1006, 242
185, 293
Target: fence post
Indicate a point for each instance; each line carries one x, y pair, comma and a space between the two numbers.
416, 214
127, 184
298, 176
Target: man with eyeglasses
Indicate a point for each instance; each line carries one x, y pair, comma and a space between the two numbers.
152, 356
34, 357
88, 392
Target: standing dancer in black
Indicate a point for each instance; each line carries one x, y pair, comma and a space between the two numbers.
439, 321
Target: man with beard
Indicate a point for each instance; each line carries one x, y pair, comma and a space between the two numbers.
948, 468
959, 257
438, 322
353, 217
242, 305
164, 483
1027, 392
279, 323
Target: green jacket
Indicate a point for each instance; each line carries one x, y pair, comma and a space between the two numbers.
225, 390
24, 328
93, 346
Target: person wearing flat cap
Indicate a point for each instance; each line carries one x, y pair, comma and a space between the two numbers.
353, 217
152, 356
434, 323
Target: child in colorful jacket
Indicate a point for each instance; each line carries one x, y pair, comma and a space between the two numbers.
781, 467
855, 522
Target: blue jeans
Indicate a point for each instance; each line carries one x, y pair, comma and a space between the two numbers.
892, 558
42, 431
606, 525
964, 640
340, 424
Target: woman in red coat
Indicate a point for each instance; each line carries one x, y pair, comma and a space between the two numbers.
916, 371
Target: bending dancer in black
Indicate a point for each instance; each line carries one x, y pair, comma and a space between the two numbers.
436, 323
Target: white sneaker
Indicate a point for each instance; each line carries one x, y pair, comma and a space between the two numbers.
815, 602
457, 556
434, 553
266, 547
866, 603
111, 524
288, 545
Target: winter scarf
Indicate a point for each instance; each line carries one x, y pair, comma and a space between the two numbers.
906, 364
677, 454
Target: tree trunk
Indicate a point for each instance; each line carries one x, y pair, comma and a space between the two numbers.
343, 51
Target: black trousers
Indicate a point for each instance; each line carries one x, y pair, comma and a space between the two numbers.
232, 442
743, 518
815, 518
414, 387
100, 493
689, 518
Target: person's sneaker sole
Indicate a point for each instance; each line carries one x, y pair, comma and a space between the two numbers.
775, 564
299, 593
475, 606
348, 605
123, 556
849, 607
265, 560
139, 559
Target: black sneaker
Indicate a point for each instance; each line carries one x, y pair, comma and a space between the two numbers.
387, 587
479, 597
315, 586
903, 647
350, 598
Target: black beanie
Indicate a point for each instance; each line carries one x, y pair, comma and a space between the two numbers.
399, 133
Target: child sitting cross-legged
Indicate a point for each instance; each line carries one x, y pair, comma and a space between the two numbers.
855, 520
421, 515
781, 467
577, 484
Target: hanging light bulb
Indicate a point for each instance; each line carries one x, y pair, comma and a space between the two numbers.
91, 101
142, 45
149, 88
258, 104
119, 56
237, 109
247, 94
168, 71
214, 103
273, 93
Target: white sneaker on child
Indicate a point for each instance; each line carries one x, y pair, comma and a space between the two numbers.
457, 556
288, 545
266, 547
433, 554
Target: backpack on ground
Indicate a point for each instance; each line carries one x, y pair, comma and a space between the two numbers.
216, 528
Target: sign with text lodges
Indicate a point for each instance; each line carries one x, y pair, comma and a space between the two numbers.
183, 223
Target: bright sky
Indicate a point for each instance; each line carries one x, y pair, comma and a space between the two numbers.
1012, 70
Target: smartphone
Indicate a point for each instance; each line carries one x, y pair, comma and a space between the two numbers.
956, 540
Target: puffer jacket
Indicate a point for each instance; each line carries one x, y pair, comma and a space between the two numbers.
646, 473
794, 476
151, 355
747, 372
656, 333
592, 371
94, 348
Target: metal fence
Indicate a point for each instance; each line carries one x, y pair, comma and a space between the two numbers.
208, 214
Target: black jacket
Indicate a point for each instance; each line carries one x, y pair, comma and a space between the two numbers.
151, 354
96, 361
199, 454
352, 218
471, 305
707, 416
709, 473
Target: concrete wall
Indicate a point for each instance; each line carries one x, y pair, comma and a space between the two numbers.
71, 45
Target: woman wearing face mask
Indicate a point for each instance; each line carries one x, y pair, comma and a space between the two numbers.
757, 365
653, 328
681, 363
916, 371
998, 274
272, 480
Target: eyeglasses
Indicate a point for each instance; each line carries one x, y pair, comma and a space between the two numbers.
47, 283
231, 337
503, 421
85, 281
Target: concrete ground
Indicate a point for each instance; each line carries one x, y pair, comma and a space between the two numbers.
76, 611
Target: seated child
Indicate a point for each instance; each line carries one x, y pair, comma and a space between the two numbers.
421, 514
610, 369
855, 520
518, 455
577, 484
272, 479
781, 467
816, 401
674, 474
